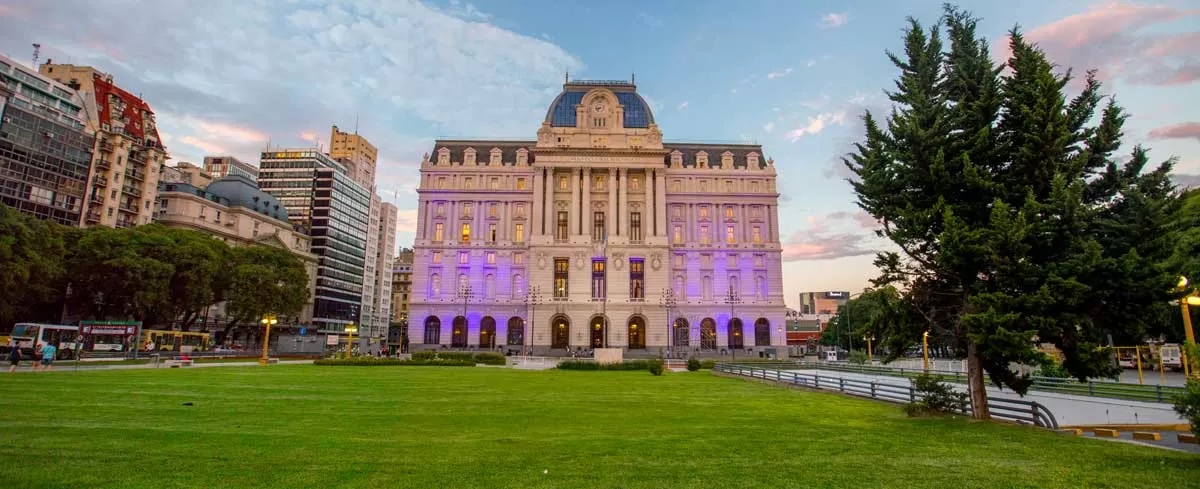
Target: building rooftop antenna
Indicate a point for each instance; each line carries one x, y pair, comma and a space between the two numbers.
37, 50
355, 125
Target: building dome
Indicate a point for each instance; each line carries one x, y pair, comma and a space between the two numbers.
562, 110
240, 190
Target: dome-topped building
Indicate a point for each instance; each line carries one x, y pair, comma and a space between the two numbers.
598, 235
239, 190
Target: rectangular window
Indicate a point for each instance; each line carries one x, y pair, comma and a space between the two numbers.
706, 260
754, 186
731, 261
704, 185
437, 257
468, 209
441, 209
492, 210
520, 184
463, 257
675, 185
729, 211
519, 233
677, 234
635, 226
598, 229
518, 258
563, 184
729, 235
598, 283
704, 239
679, 261
676, 211
561, 232
466, 232
635, 184
703, 212
441, 182
561, 267
729, 185
438, 231
520, 210
491, 258
492, 232
758, 260
756, 235
470, 183
494, 183
637, 278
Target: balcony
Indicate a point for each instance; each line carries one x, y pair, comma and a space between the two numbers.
93, 216
100, 181
136, 192
125, 223
103, 164
106, 146
127, 208
135, 174
97, 199
137, 157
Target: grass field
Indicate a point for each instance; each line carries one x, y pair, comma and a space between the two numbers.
386, 427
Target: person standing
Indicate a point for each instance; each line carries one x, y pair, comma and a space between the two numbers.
14, 356
37, 356
48, 352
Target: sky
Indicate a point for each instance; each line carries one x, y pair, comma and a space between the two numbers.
231, 76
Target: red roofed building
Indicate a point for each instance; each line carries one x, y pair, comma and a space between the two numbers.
129, 153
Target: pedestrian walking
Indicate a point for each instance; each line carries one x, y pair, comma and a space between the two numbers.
37, 356
48, 352
14, 357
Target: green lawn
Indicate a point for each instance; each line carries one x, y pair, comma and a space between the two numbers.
436, 427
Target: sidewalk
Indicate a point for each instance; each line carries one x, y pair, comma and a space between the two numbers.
84, 367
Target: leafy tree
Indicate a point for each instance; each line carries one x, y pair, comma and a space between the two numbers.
198, 279
264, 280
32, 252
1014, 221
115, 275
866, 314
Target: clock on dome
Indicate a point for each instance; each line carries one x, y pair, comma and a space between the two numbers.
598, 107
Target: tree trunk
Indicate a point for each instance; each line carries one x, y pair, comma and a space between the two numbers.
975, 383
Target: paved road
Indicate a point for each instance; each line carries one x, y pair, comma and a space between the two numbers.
1068, 409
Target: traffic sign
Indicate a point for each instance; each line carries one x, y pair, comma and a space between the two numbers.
303, 331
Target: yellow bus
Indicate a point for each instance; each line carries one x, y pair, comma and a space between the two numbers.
180, 341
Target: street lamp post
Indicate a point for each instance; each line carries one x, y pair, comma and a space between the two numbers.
870, 357
1191, 299
668, 301
925, 348
465, 292
350, 330
268, 320
533, 296
733, 299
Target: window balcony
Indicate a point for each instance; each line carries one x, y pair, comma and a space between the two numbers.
101, 181
103, 164
137, 157
93, 216
97, 199
136, 192
106, 146
125, 223
127, 208
135, 174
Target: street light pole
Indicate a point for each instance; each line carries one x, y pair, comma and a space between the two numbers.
465, 292
532, 296
1192, 298
925, 348
668, 301
267, 320
350, 330
733, 299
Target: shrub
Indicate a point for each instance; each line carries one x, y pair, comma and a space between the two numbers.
934, 397
656, 367
693, 364
1187, 404
708, 364
858, 357
1052, 369
582, 365
391, 362
490, 358
424, 355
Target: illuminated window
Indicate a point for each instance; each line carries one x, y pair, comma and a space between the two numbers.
756, 235
435, 285
518, 258
563, 184
463, 257
561, 231
703, 212
466, 232
598, 182
598, 283
729, 234
520, 184
677, 234
438, 231
492, 209
704, 239
437, 257
637, 278
561, 268
519, 233
729, 212
520, 210
635, 184
491, 258
598, 229
635, 226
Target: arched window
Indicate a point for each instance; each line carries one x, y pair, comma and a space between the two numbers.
516, 331
733, 334
762, 332
760, 287
489, 286
707, 284
433, 330
680, 288
517, 287
435, 286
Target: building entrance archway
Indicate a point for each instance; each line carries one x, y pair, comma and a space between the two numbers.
708, 334
597, 330
560, 332
487, 332
637, 333
458, 334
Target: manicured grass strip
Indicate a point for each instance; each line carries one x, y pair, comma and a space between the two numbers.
307, 426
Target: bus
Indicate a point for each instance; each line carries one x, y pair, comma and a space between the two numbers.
180, 341
29, 335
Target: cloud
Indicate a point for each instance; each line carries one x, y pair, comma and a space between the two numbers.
308, 136
779, 74
1115, 39
1183, 180
406, 221
834, 20
683, 105
648, 19
406, 70
1186, 130
811, 63
732, 90
816, 125
827, 237
770, 126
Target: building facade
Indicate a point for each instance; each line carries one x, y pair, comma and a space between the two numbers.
402, 268
823, 303
220, 166
386, 239
128, 151
597, 234
320, 196
358, 154
185, 172
235, 211
45, 146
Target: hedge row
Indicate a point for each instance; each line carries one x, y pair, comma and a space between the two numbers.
628, 365
487, 358
390, 362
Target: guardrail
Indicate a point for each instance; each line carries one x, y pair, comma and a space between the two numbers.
1024, 412
1091, 388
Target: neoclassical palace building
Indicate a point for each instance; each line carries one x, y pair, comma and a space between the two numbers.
597, 234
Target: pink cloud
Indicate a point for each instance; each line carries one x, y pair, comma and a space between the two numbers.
308, 136
1109, 38
204, 145
1186, 130
826, 237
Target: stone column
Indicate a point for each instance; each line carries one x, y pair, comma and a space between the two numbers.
586, 209
611, 219
660, 202
539, 196
648, 208
623, 204
772, 224
574, 212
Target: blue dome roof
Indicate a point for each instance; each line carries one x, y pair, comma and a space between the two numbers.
241, 191
562, 111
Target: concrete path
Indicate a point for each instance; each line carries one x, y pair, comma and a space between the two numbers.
1067, 409
90, 368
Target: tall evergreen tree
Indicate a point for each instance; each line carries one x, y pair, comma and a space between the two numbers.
1013, 220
